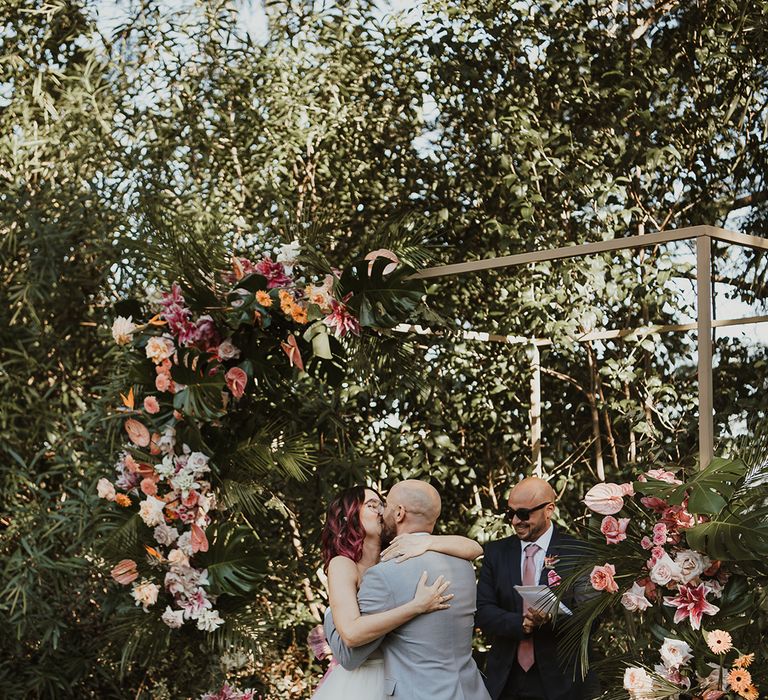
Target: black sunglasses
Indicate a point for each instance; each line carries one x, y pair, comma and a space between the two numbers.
523, 513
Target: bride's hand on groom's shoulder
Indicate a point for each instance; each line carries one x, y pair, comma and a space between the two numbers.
406, 546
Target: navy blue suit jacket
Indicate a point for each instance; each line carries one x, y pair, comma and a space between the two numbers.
500, 616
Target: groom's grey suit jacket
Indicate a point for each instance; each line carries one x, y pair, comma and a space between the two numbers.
430, 657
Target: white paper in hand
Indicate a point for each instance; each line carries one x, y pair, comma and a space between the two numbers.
541, 598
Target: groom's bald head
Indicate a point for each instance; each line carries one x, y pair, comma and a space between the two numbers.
412, 506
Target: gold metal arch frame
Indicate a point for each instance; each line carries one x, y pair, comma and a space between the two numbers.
703, 235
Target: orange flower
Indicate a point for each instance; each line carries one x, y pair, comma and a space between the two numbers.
744, 661
122, 500
739, 679
718, 641
750, 693
299, 314
286, 302
264, 299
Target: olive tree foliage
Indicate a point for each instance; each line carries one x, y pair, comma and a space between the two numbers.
480, 129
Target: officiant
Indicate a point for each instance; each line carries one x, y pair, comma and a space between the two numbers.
523, 662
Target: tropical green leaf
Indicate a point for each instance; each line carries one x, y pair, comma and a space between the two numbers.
737, 537
708, 490
234, 560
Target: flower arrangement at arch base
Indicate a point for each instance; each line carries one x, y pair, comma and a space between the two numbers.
214, 381
683, 555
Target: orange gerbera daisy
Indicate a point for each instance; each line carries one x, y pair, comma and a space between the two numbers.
264, 299
286, 302
718, 641
298, 314
739, 679
744, 661
750, 693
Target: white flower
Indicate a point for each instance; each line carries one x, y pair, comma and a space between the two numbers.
106, 489
145, 594
637, 682
159, 349
675, 652
167, 441
197, 463
691, 564
173, 618
288, 253
151, 511
634, 600
184, 543
209, 620
664, 571
164, 534
714, 587
184, 482
177, 559
227, 351
166, 468
122, 330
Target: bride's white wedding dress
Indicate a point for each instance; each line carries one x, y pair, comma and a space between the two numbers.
364, 683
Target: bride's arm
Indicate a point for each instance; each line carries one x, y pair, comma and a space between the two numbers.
356, 629
406, 546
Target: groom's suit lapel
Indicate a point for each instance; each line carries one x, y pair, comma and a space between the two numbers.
513, 560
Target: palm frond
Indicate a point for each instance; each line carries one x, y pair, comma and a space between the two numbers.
234, 563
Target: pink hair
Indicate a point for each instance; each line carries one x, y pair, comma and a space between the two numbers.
343, 533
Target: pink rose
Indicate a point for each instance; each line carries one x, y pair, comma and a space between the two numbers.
163, 382
237, 380
151, 405
646, 542
615, 531
634, 599
602, 578
605, 499
659, 534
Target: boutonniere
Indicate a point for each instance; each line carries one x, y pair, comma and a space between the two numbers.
550, 562
553, 578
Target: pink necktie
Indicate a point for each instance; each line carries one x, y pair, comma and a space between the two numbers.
525, 648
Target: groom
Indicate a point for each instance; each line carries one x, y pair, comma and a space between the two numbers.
430, 657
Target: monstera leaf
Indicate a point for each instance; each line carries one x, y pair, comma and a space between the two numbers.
708, 490
379, 300
733, 536
235, 564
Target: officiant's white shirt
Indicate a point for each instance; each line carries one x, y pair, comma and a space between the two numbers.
538, 559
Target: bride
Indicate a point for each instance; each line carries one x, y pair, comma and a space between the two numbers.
351, 543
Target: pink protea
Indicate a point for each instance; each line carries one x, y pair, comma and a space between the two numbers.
691, 602
274, 272
341, 320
